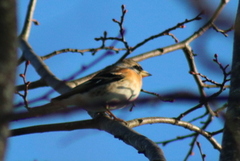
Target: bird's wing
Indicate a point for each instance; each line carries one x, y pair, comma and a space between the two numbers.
99, 79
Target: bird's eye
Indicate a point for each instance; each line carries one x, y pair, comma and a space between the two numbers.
139, 68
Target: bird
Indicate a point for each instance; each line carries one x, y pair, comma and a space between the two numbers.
112, 88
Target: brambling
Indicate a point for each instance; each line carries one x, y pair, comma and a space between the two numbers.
113, 87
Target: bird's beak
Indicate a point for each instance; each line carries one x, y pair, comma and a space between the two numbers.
145, 73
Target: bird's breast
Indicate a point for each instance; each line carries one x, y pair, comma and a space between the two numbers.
111, 96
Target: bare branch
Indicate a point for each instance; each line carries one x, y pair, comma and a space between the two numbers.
26, 85
179, 25
176, 139
151, 120
119, 130
42, 69
224, 32
28, 20
82, 51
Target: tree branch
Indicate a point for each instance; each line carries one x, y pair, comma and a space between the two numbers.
95, 123
117, 129
28, 20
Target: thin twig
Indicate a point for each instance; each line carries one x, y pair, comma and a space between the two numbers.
159, 96
175, 139
201, 152
224, 32
179, 25
26, 85
82, 51
192, 144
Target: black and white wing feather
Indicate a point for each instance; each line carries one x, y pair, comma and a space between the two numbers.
99, 79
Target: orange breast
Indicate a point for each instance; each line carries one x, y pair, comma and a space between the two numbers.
133, 77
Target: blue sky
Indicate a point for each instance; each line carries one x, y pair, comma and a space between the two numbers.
75, 24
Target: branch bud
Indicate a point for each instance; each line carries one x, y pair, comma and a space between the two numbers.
123, 7
28, 62
192, 72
